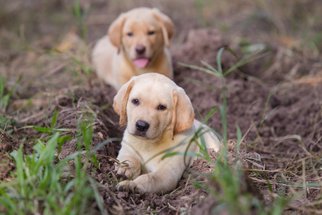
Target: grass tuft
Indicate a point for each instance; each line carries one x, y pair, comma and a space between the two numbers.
43, 184
228, 180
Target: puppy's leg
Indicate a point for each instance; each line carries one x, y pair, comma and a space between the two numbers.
130, 164
210, 137
164, 179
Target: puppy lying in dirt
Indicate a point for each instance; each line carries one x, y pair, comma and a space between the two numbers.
159, 118
137, 42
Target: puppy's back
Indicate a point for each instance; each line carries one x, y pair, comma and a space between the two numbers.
102, 58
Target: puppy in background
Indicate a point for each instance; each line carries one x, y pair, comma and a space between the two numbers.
159, 117
137, 42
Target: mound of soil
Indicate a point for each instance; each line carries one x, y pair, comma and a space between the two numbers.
274, 117
280, 115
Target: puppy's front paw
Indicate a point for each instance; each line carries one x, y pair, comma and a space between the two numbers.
128, 170
132, 186
126, 185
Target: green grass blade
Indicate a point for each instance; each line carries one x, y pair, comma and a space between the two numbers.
54, 119
18, 156
43, 129
219, 61
2, 86
98, 197
200, 69
239, 138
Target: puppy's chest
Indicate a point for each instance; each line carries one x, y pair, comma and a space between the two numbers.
150, 155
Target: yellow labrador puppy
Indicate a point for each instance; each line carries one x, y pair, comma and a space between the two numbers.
159, 118
137, 42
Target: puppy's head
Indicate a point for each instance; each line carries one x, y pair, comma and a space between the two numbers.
141, 34
151, 104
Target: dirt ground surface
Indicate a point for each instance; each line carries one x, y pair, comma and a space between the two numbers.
276, 101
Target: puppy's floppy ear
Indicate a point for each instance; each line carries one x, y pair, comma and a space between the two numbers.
167, 25
120, 101
115, 31
183, 113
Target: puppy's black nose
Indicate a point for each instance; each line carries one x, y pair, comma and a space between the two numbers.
140, 49
142, 125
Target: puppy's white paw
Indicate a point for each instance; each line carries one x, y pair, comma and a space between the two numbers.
128, 170
132, 186
141, 184
126, 185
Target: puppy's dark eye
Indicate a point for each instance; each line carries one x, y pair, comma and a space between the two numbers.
161, 107
136, 102
151, 33
129, 34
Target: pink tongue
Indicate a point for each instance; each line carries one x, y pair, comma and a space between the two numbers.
141, 63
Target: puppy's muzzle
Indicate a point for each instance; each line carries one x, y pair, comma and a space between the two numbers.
141, 127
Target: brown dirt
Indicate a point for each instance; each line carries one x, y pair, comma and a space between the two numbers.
7, 144
275, 100
282, 119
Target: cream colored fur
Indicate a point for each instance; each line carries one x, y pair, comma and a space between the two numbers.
171, 129
114, 55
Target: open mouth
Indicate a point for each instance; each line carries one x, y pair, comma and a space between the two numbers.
141, 62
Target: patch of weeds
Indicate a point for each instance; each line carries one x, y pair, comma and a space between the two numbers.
232, 195
52, 129
228, 179
76, 52
85, 135
82, 65
43, 184
6, 122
